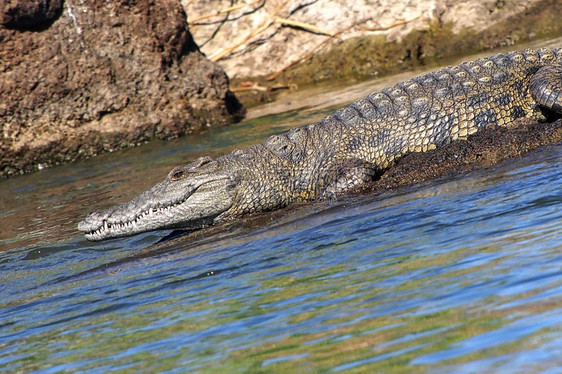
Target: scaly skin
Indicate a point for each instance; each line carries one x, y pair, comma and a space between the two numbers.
331, 156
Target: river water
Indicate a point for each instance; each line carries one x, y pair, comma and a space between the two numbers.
463, 274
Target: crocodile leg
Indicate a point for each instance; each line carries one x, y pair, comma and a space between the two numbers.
546, 87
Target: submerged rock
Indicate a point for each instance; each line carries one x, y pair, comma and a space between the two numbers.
78, 78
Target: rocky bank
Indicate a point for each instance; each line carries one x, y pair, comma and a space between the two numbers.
82, 77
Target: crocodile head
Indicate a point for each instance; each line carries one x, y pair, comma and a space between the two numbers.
190, 197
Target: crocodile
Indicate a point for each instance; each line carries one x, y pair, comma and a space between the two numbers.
353, 146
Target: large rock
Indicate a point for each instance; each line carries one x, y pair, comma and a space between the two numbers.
81, 77
28, 14
254, 38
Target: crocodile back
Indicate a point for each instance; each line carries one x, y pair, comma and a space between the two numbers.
434, 109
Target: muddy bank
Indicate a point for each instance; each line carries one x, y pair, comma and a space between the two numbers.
280, 43
78, 78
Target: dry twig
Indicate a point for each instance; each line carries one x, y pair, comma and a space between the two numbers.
392, 25
223, 11
254, 86
302, 25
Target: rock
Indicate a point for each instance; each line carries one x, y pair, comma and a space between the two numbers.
28, 14
260, 42
78, 78
277, 44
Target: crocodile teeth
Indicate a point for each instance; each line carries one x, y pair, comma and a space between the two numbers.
117, 227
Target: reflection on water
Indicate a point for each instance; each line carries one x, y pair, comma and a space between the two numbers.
457, 275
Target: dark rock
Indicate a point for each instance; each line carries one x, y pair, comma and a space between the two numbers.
28, 14
104, 75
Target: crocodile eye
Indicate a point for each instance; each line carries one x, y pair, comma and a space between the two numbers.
176, 173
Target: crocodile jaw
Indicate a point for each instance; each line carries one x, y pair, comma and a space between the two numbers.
101, 225
188, 203
105, 225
